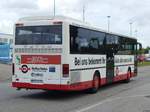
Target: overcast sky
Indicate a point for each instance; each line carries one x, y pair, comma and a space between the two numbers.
122, 12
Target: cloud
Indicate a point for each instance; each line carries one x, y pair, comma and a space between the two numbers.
19, 4
96, 12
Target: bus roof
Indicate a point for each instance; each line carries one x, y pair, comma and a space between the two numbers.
69, 20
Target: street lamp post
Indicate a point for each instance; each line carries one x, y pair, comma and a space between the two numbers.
83, 13
130, 28
136, 31
54, 8
108, 23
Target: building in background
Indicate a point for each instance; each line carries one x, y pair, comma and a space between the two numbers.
6, 41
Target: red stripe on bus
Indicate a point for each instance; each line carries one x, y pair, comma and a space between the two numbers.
123, 76
72, 87
40, 59
102, 81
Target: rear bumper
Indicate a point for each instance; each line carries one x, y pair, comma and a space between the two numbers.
73, 87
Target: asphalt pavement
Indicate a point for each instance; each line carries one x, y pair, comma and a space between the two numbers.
118, 97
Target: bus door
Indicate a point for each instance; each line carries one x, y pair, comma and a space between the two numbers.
110, 67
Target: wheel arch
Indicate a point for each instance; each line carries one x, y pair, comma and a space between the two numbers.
129, 69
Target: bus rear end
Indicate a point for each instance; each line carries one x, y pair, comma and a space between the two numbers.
37, 59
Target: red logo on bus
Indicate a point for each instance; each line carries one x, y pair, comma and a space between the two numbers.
24, 68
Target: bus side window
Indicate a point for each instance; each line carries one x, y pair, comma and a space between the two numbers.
73, 39
94, 43
83, 44
74, 44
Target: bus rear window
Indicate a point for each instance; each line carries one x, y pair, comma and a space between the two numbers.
30, 35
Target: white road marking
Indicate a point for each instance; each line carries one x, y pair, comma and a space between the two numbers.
108, 100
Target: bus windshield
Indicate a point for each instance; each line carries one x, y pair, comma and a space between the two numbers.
30, 35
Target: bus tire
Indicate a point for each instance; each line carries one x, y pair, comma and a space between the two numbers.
95, 84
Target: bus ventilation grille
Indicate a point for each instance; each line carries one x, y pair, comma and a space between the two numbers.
38, 50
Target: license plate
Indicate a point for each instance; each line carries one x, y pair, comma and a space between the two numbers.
36, 75
36, 81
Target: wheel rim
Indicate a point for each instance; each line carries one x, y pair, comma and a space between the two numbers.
96, 82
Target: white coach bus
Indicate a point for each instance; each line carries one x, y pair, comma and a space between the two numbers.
65, 54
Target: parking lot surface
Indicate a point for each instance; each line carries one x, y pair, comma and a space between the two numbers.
118, 97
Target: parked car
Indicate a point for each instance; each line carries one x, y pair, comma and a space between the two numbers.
147, 59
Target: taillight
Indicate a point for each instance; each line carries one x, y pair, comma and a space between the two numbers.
19, 24
57, 22
65, 70
13, 69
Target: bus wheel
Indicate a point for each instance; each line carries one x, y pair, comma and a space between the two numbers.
95, 82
